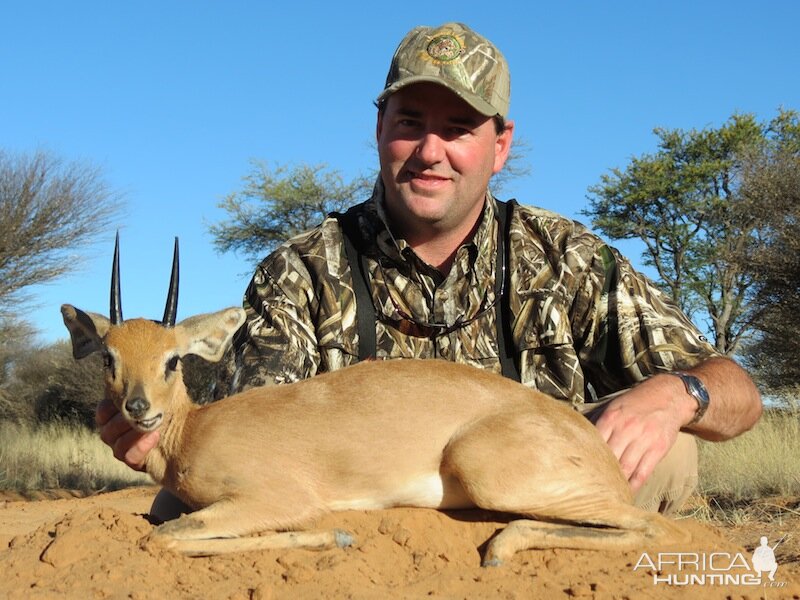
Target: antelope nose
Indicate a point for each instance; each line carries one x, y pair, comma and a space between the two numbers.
137, 407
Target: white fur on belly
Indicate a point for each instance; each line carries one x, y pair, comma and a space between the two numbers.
428, 491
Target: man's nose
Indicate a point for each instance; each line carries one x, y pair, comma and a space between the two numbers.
430, 148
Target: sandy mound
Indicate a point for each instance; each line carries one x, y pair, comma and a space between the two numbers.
90, 548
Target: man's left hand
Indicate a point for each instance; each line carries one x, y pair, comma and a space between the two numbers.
641, 425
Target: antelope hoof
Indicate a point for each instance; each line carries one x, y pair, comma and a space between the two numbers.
343, 538
154, 542
492, 562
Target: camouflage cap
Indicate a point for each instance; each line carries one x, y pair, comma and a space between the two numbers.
456, 57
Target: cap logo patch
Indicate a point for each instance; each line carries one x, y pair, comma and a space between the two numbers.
445, 48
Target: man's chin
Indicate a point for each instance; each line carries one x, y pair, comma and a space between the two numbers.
425, 211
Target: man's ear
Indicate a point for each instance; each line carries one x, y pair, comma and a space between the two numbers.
86, 330
502, 146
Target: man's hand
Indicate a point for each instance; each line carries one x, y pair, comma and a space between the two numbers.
129, 445
641, 425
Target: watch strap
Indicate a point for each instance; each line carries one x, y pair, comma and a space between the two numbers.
698, 391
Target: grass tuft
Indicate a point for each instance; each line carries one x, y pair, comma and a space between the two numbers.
56, 456
762, 462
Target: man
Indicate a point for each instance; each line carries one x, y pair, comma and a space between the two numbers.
437, 269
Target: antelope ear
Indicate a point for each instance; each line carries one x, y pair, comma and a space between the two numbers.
208, 336
86, 330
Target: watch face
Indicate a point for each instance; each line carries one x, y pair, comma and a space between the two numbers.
698, 390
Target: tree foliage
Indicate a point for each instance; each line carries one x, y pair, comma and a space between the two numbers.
684, 203
771, 189
15, 342
277, 203
49, 209
47, 384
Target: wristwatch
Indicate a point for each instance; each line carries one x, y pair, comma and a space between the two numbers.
697, 390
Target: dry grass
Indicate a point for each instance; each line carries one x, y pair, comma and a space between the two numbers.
752, 478
59, 457
762, 462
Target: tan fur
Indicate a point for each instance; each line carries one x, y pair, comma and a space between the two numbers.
423, 433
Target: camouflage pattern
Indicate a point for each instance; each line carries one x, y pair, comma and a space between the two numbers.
456, 57
584, 322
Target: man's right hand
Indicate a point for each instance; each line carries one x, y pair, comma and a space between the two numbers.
129, 445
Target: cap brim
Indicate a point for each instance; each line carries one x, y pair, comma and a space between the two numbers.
473, 100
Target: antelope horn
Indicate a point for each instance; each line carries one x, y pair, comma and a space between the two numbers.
171, 309
115, 312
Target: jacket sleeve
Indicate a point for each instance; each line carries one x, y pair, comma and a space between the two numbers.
631, 328
277, 343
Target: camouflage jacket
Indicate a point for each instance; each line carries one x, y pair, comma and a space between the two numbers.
584, 323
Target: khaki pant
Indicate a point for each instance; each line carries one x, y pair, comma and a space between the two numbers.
674, 478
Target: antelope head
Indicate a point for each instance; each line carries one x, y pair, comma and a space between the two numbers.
142, 358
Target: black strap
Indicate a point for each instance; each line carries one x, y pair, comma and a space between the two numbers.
507, 352
365, 309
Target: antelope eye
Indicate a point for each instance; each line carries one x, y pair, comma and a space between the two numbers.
108, 364
172, 364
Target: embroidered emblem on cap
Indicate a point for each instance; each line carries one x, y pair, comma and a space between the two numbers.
445, 48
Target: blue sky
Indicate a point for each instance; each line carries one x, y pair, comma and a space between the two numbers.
174, 99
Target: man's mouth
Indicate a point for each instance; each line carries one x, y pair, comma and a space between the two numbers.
426, 182
427, 177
